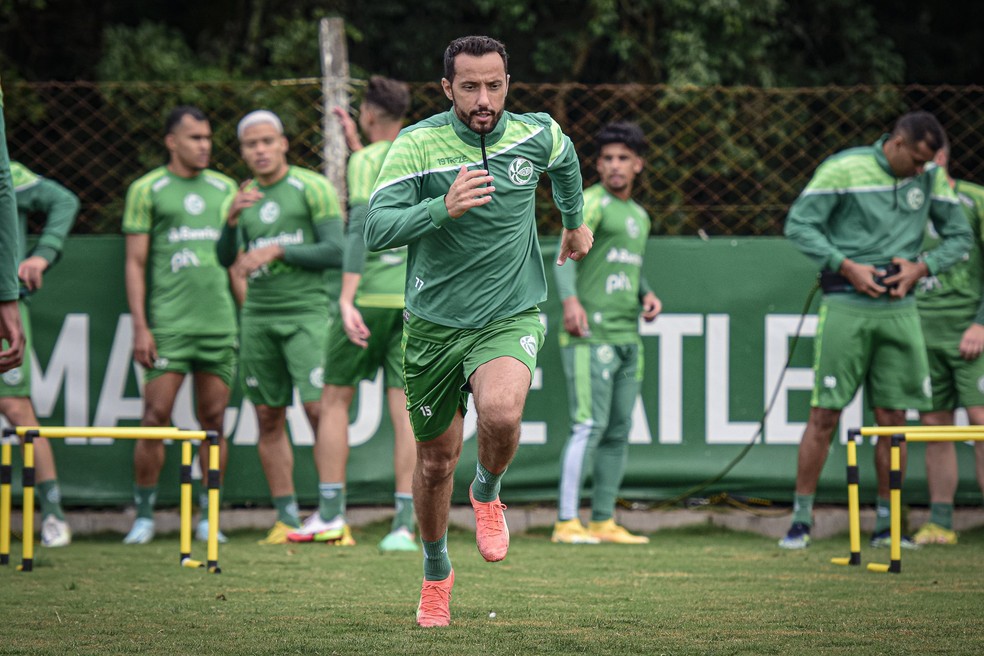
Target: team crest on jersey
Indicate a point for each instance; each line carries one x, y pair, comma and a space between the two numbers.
194, 204
269, 212
13, 377
915, 198
521, 171
631, 227
528, 342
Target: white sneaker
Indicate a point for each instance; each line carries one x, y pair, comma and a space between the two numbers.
141, 533
55, 532
201, 533
316, 529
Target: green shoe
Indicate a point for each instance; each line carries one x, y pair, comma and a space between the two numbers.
399, 540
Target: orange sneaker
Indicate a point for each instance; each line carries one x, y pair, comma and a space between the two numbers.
434, 608
491, 532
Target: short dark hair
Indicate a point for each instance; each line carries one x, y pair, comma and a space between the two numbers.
476, 46
178, 113
623, 132
392, 97
920, 126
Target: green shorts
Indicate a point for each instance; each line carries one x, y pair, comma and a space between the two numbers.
16, 382
438, 362
347, 364
957, 383
280, 352
185, 354
880, 346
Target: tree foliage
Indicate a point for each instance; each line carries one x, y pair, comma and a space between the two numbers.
679, 42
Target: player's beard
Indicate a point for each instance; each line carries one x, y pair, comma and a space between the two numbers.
479, 129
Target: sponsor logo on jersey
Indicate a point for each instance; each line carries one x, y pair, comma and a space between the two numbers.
623, 256
528, 342
269, 212
194, 204
183, 259
184, 233
520, 171
631, 227
317, 377
283, 239
457, 159
915, 198
618, 282
14, 376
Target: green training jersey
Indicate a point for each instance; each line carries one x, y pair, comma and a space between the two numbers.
9, 284
384, 273
59, 206
486, 264
187, 288
854, 207
609, 279
288, 215
951, 300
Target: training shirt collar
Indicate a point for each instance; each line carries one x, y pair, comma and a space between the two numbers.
880, 155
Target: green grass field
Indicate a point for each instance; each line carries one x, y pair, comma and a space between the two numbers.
691, 591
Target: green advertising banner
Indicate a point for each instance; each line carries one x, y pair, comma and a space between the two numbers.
713, 359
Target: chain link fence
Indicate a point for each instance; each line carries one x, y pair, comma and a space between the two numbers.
722, 161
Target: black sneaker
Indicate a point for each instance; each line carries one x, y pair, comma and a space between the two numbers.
798, 537
884, 539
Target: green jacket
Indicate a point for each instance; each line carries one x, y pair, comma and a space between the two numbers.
855, 207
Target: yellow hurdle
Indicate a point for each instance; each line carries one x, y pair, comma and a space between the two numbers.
898, 434
30, 433
5, 478
853, 504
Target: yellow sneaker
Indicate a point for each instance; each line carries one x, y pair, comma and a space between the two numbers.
609, 531
346, 539
572, 531
277, 534
931, 533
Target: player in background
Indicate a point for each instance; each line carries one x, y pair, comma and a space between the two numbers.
951, 310
368, 335
600, 346
184, 318
282, 230
36, 195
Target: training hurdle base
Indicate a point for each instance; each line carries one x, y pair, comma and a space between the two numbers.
30, 433
898, 435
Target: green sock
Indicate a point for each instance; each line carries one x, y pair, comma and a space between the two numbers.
49, 496
287, 510
437, 564
485, 487
404, 512
883, 515
941, 514
803, 508
145, 498
331, 500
